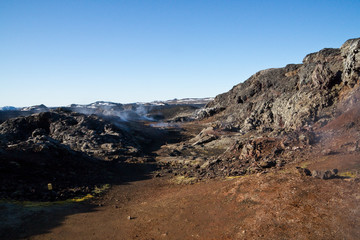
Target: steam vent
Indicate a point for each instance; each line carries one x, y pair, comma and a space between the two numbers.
275, 157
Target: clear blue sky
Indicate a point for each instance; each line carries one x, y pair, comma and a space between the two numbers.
63, 52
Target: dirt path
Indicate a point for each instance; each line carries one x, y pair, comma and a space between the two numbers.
281, 206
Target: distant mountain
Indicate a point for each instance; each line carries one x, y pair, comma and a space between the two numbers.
8, 108
96, 105
183, 101
175, 101
8, 112
35, 109
156, 110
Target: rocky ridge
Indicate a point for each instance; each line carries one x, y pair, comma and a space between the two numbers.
294, 96
272, 118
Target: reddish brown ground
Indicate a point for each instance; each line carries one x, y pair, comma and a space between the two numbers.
272, 206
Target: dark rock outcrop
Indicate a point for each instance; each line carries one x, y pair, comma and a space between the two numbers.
290, 97
276, 113
63, 148
89, 134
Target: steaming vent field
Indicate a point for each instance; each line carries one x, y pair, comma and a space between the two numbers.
275, 157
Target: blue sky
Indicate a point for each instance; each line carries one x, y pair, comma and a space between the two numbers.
63, 52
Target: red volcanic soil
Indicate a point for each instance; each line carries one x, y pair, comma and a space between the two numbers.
284, 205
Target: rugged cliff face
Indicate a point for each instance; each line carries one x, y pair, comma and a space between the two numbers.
277, 116
292, 97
